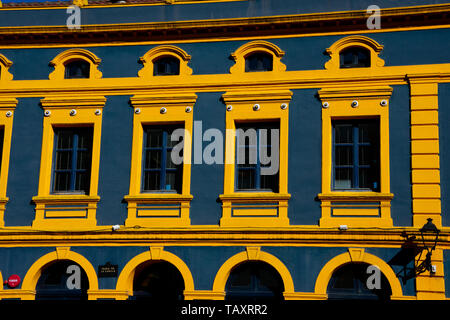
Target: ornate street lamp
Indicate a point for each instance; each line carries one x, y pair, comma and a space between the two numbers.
429, 229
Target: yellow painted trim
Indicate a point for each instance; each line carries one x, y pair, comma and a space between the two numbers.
61, 253
5, 64
257, 46
165, 50
80, 3
75, 54
337, 104
147, 111
242, 102
252, 254
357, 255
89, 112
125, 280
7, 108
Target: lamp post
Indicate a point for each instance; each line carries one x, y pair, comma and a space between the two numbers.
429, 229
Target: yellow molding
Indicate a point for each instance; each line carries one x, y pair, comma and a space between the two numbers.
351, 41
360, 256
164, 50
179, 109
5, 64
34, 272
125, 280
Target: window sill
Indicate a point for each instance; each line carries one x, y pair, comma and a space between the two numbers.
355, 195
158, 210
72, 198
254, 196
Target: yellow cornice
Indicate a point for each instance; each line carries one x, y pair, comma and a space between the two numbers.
233, 22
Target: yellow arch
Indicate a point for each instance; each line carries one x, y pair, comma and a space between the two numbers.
259, 45
252, 254
61, 253
164, 50
125, 280
374, 47
357, 255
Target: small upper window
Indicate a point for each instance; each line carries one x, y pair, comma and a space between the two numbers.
355, 57
166, 66
77, 69
258, 61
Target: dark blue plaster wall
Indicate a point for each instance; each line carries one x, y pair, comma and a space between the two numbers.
304, 53
25, 157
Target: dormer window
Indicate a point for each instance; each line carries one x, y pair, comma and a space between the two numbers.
166, 66
77, 69
259, 61
355, 57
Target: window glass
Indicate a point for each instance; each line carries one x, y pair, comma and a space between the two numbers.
356, 154
258, 61
166, 66
355, 57
72, 163
77, 69
257, 156
160, 173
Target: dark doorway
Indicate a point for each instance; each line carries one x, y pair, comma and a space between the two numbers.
157, 281
350, 282
255, 281
62, 280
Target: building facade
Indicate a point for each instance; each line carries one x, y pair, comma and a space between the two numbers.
312, 137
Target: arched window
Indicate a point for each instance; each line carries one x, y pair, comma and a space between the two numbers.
166, 66
77, 69
350, 282
354, 57
62, 280
258, 61
157, 281
254, 280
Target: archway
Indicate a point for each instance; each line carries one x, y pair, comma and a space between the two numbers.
254, 281
62, 280
157, 280
358, 281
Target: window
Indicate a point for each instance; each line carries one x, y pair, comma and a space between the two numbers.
258, 61
160, 173
166, 66
253, 145
72, 164
77, 69
356, 155
355, 57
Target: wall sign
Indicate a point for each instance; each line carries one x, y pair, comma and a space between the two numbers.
107, 270
13, 281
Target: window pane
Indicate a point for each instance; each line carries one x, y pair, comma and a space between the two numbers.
153, 158
83, 160
152, 180
343, 178
259, 61
77, 69
246, 179
82, 181
63, 160
62, 181
355, 57
64, 138
343, 133
270, 182
343, 156
154, 138
166, 66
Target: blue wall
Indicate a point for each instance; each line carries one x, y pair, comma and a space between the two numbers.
444, 143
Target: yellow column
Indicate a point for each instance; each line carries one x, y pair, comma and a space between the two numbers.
425, 166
